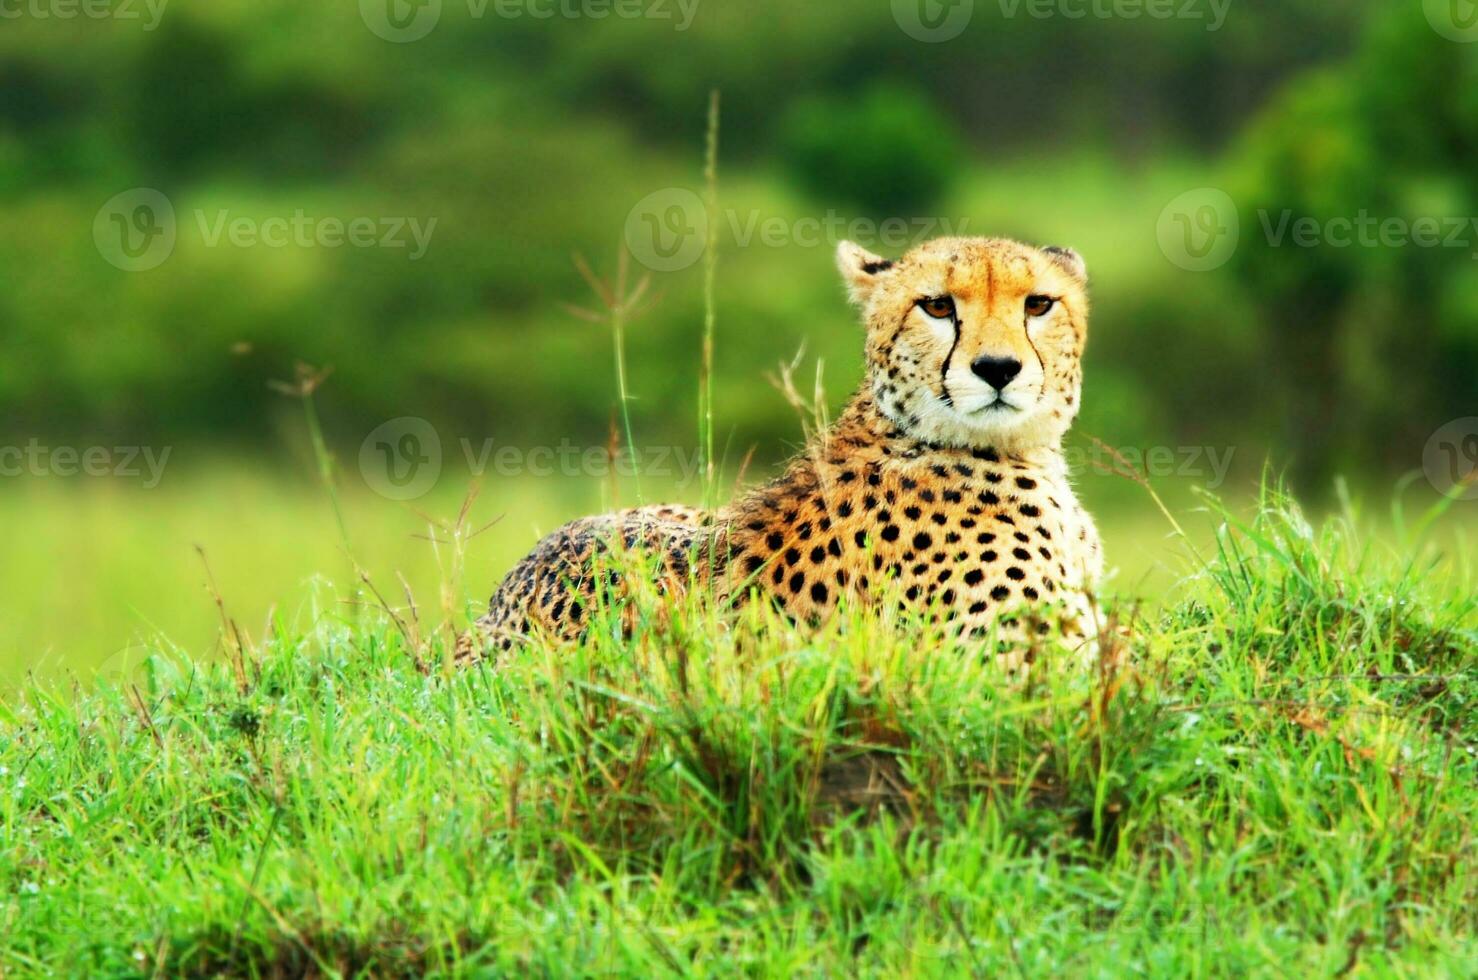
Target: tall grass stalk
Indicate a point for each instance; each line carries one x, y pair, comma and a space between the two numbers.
618, 308
305, 383
710, 303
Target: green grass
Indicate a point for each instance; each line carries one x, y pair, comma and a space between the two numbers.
1281, 780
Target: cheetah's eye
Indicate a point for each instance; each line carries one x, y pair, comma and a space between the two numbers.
1039, 305
940, 307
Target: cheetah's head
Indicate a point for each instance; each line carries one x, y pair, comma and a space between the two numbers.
973, 342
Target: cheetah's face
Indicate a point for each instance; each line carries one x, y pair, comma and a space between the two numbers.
973, 342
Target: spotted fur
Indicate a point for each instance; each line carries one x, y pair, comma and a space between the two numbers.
934, 488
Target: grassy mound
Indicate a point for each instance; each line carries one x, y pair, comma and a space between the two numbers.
1279, 776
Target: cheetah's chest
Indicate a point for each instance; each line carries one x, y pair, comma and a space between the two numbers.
970, 538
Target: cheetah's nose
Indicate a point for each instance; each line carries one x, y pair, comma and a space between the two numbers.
996, 371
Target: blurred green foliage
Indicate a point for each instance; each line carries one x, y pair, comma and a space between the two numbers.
1377, 318
530, 140
887, 152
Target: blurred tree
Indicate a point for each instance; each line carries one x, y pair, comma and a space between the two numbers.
1367, 315
195, 110
888, 151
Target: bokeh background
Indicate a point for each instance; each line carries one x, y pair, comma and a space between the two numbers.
180, 180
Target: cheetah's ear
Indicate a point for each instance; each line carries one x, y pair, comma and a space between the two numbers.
1069, 261
860, 270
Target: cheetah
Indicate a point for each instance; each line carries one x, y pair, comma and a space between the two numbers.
942, 484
